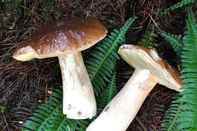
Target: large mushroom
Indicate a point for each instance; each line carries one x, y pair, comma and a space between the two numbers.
66, 40
150, 69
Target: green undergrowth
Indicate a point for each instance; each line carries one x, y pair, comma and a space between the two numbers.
180, 4
182, 114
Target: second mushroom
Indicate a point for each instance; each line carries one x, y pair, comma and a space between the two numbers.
66, 40
150, 69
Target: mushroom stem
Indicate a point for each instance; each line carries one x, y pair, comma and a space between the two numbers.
119, 113
78, 96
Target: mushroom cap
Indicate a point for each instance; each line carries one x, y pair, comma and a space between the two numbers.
61, 38
144, 58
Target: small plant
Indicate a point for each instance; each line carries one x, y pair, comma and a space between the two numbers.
2, 109
174, 40
182, 115
181, 4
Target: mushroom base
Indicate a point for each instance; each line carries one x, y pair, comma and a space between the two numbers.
78, 96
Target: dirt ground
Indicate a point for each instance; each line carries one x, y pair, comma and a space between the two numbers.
24, 85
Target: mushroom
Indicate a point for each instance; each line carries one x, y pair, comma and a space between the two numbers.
66, 40
150, 69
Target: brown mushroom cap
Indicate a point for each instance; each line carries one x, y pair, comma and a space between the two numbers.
61, 38
143, 58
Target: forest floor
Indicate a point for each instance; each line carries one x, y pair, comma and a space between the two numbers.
24, 85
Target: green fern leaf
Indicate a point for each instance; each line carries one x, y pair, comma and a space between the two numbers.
188, 117
174, 40
182, 115
101, 62
182, 3
169, 122
49, 116
148, 38
42, 113
109, 92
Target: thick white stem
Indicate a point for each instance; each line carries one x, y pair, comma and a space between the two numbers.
123, 108
78, 96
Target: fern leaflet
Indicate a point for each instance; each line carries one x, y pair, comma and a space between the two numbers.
109, 92
148, 38
174, 40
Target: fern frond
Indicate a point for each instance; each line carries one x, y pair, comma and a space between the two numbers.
148, 38
169, 122
49, 117
188, 117
174, 40
183, 111
108, 93
101, 62
181, 4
